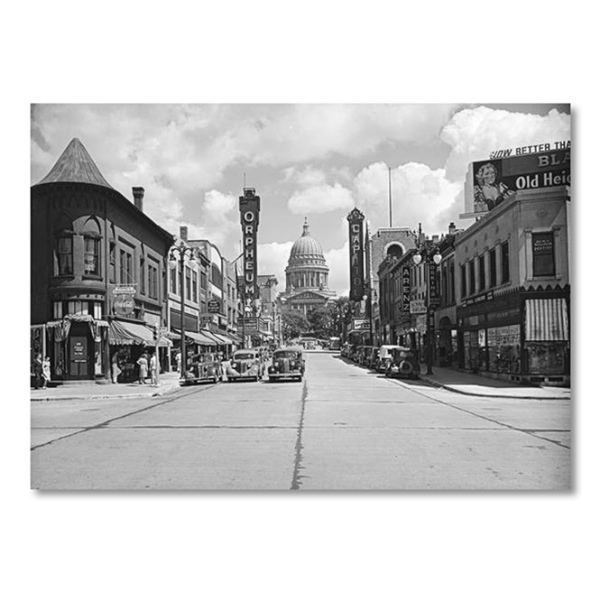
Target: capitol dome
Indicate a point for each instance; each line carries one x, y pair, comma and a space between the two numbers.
307, 271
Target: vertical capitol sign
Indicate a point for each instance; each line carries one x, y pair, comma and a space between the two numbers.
357, 250
249, 211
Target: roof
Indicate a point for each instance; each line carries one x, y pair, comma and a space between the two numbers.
75, 165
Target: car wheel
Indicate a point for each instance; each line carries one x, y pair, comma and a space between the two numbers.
271, 379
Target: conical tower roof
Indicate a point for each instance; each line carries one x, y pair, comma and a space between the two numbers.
75, 165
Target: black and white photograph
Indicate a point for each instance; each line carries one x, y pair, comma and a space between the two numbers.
299, 301
301, 297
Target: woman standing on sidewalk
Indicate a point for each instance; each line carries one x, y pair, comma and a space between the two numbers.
142, 362
46, 372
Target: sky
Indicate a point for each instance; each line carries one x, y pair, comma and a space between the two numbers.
313, 161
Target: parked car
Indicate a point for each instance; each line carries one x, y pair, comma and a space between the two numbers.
356, 352
371, 358
245, 364
384, 357
288, 363
365, 355
203, 367
404, 363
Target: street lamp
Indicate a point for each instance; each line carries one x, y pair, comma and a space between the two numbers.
177, 256
432, 262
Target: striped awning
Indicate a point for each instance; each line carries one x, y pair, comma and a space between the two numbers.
200, 338
127, 334
546, 320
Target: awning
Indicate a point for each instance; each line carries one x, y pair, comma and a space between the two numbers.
224, 339
546, 320
213, 336
122, 333
200, 338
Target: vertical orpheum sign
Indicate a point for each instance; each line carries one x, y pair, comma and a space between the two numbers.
249, 211
357, 270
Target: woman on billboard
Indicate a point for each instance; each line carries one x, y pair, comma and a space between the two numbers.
488, 191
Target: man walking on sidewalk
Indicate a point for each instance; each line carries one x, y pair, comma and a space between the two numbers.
153, 370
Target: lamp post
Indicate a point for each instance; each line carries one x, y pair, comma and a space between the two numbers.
432, 262
177, 256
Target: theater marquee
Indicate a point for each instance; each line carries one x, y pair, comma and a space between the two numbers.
357, 251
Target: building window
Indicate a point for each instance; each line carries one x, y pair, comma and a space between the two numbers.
64, 252
543, 254
173, 279
493, 268
471, 277
463, 281
126, 267
153, 281
57, 310
188, 283
195, 286
452, 298
481, 273
91, 259
505, 265
77, 307
143, 276
112, 262
97, 308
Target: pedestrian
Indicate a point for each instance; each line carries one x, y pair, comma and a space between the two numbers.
46, 372
153, 370
178, 360
37, 371
142, 362
115, 371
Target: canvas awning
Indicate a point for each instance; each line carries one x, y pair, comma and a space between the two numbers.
123, 333
546, 320
200, 338
224, 339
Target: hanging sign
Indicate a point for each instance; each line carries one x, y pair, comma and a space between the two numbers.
357, 270
249, 213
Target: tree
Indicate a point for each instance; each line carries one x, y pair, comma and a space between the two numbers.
321, 321
295, 323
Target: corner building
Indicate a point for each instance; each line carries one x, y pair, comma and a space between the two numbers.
513, 281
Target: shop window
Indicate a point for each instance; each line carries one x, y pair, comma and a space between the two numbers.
97, 308
481, 273
543, 254
77, 307
493, 268
64, 253
505, 264
504, 349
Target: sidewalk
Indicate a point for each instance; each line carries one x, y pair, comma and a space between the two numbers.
167, 382
476, 385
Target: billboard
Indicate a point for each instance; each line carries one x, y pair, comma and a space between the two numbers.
491, 182
249, 213
357, 255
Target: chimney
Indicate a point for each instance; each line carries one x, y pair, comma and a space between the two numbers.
138, 197
451, 229
183, 230
435, 238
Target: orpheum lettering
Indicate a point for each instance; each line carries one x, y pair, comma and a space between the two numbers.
249, 212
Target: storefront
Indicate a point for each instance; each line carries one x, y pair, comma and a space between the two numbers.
128, 341
517, 335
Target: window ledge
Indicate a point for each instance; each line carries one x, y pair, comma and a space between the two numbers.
93, 277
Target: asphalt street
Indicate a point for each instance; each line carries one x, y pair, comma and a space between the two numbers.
342, 428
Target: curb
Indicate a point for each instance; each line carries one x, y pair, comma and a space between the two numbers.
106, 397
484, 395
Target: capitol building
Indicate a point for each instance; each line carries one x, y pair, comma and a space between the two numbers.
306, 275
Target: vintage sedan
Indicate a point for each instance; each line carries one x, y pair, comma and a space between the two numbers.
404, 363
203, 367
245, 364
288, 363
384, 357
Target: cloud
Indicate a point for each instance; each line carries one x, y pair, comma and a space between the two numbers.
320, 199
272, 259
419, 195
339, 269
473, 133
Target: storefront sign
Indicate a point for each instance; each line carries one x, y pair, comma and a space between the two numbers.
357, 270
360, 324
249, 213
434, 292
418, 307
490, 182
214, 306
123, 299
405, 289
